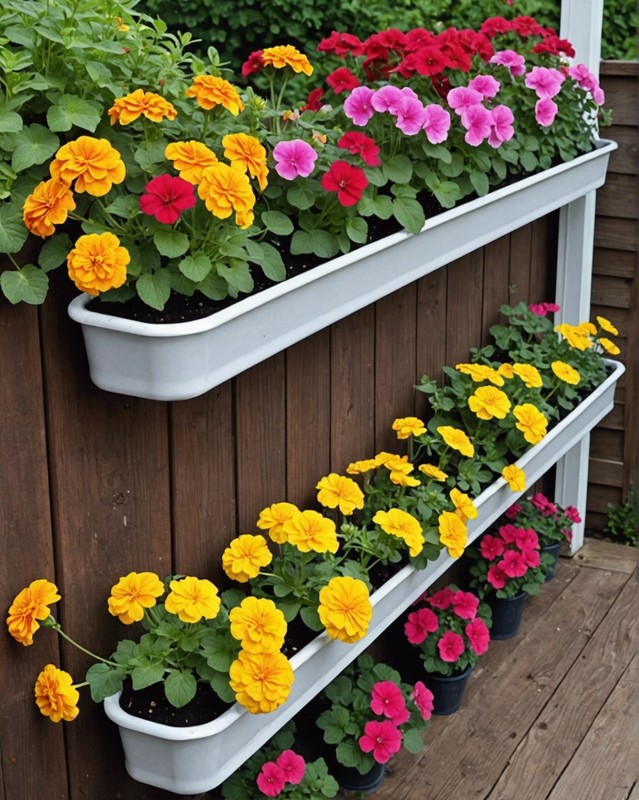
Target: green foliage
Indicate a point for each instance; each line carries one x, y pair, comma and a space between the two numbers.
622, 524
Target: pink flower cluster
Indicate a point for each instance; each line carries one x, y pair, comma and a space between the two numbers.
288, 768
448, 605
494, 124
541, 309
513, 551
383, 738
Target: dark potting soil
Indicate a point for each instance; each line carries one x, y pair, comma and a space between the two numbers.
151, 704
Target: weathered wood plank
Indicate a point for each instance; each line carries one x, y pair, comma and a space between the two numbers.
599, 497
613, 66
624, 159
618, 263
464, 318
521, 244
611, 292
608, 472
605, 555
621, 98
431, 328
617, 234
618, 197
607, 444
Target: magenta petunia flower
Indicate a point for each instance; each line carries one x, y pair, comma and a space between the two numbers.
442, 599
540, 310
478, 123
358, 106
526, 539
501, 126
465, 604
511, 513
496, 576
486, 85
531, 557
292, 765
410, 116
491, 547
294, 158
342, 80
349, 182
478, 636
462, 98
359, 144
552, 308
509, 58
387, 99
419, 624
545, 81
572, 513
166, 197
540, 501
545, 112
514, 564
388, 701
436, 123
450, 646
508, 533
382, 739
271, 779
423, 699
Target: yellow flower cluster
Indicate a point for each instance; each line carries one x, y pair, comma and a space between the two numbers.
403, 525
345, 609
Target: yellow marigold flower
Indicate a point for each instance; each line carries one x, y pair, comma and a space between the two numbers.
272, 519
94, 164
452, 533
408, 426
361, 467
514, 477
48, 205
98, 263
193, 598
286, 55
141, 104
565, 372
488, 402
55, 695
246, 153
190, 159
506, 371
433, 472
609, 347
132, 594
403, 525
345, 609
531, 422
394, 463
572, 335
400, 478
261, 681
337, 491
457, 439
308, 530
586, 329
607, 326
245, 556
120, 25
528, 374
258, 624
30, 606
464, 506
210, 91
481, 372
226, 189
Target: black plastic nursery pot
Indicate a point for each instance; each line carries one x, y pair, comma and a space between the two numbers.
507, 614
448, 691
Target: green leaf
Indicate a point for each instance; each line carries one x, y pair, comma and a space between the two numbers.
10, 122
70, 111
154, 289
170, 243
126, 206
13, 234
447, 193
413, 741
357, 229
34, 145
398, 169
99, 73
180, 688
237, 274
301, 196
54, 251
146, 675
104, 681
409, 213
480, 183
321, 243
277, 223
196, 267
27, 284
268, 258
214, 287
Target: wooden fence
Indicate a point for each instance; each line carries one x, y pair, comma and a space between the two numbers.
95, 485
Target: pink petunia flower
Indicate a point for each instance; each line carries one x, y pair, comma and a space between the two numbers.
545, 112
450, 646
552, 308
465, 605
387, 99
486, 85
342, 80
271, 779
514, 564
526, 539
442, 599
382, 739
532, 558
508, 533
511, 513
478, 121
572, 514
423, 699
410, 116
388, 701
166, 197
292, 765
491, 547
538, 308
462, 98
478, 635
358, 106
293, 158
359, 144
501, 126
419, 624
349, 182
509, 58
496, 576
436, 123
545, 81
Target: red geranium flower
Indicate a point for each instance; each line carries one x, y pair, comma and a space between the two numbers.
166, 197
254, 63
314, 100
349, 182
342, 80
358, 143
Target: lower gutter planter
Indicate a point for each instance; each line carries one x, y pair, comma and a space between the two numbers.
197, 759
182, 360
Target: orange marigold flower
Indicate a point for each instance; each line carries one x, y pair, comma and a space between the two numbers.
286, 55
98, 263
531, 422
338, 491
258, 624
309, 530
345, 609
261, 681
246, 153
457, 439
30, 607
489, 402
272, 519
226, 189
94, 164
55, 695
190, 159
452, 533
210, 91
48, 205
193, 598
132, 594
515, 477
405, 427
245, 556
140, 103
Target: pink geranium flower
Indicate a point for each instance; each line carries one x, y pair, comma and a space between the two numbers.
292, 765
511, 513
450, 646
496, 576
388, 701
383, 739
359, 144
349, 182
342, 80
358, 106
538, 308
419, 624
501, 126
508, 533
478, 121
293, 158
410, 115
423, 699
545, 81
436, 123
465, 605
509, 58
166, 197
526, 539
572, 514
478, 635
271, 779
387, 99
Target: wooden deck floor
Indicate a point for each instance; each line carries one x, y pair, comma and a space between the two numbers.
552, 714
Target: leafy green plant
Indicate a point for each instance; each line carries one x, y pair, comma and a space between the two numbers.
622, 523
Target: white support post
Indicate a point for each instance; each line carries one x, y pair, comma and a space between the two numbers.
581, 22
